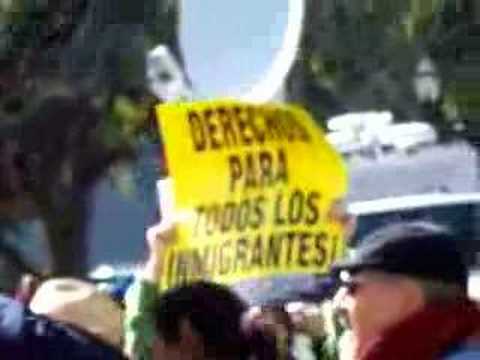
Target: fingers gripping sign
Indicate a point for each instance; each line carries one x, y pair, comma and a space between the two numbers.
160, 236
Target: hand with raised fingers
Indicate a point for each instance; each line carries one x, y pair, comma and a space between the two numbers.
158, 238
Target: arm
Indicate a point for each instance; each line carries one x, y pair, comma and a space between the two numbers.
141, 298
139, 320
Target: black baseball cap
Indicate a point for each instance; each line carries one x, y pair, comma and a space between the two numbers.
418, 249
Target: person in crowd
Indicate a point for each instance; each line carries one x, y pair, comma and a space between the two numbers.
201, 320
404, 295
205, 320
277, 323
303, 341
81, 305
27, 287
313, 326
28, 336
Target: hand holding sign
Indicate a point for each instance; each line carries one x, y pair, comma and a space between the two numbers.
256, 183
161, 235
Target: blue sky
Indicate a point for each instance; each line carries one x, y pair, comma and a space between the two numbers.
228, 45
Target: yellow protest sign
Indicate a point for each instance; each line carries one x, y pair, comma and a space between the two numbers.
253, 185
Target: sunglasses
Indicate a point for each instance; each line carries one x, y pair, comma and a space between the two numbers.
351, 285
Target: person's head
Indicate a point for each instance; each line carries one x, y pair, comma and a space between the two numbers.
202, 321
80, 305
310, 321
277, 321
396, 272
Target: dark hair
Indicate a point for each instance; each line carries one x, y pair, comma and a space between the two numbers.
216, 313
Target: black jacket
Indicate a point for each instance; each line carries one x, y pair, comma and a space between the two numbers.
26, 336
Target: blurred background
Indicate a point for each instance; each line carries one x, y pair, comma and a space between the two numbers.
394, 83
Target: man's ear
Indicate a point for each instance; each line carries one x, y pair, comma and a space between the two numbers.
415, 298
191, 339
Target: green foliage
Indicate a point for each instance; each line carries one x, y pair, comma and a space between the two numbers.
74, 101
362, 55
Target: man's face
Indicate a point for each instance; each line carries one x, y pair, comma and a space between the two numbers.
188, 347
375, 301
163, 350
